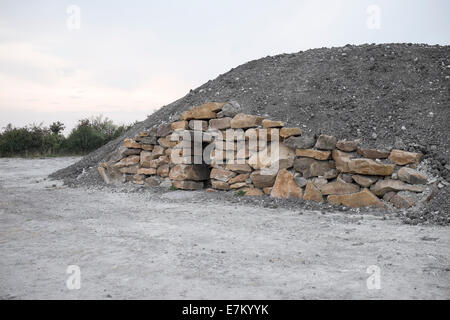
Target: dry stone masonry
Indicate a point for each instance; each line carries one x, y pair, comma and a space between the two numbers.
214, 147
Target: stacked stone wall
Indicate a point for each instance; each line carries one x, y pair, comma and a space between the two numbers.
214, 147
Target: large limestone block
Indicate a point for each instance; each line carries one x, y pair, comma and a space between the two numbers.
262, 136
166, 142
402, 201
266, 123
148, 140
312, 193
138, 178
119, 154
253, 192
128, 161
158, 151
103, 175
263, 180
239, 178
311, 153
130, 143
331, 174
373, 153
285, 186
319, 182
325, 142
347, 146
164, 130
198, 125
146, 171
153, 181
231, 135
163, 170
411, 176
312, 168
370, 167
301, 181
131, 152
364, 181
156, 163
345, 163
187, 184
341, 159
189, 172
110, 173
222, 174
290, 132
130, 170
238, 185
272, 157
403, 157
242, 121
339, 187
180, 125
220, 185
384, 186
364, 198
239, 168
203, 112
145, 159
147, 147
220, 124
300, 142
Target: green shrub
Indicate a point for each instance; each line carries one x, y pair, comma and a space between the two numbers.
37, 140
83, 138
27, 141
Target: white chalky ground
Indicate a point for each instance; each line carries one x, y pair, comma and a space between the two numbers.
128, 245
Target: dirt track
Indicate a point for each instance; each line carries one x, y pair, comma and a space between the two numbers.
131, 245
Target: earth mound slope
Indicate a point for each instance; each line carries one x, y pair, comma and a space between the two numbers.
388, 95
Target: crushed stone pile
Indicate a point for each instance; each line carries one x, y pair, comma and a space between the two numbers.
389, 95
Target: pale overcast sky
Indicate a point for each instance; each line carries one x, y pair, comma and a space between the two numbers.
125, 59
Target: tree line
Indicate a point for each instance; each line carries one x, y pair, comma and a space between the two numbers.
39, 140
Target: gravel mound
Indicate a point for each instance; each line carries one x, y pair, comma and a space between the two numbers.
436, 211
389, 95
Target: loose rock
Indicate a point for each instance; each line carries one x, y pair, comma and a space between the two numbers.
364, 198
312, 193
311, 153
290, 132
189, 172
285, 186
411, 176
364, 181
243, 121
301, 142
339, 187
325, 142
402, 201
262, 180
403, 157
381, 187
347, 146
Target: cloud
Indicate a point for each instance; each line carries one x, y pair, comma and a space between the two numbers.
35, 80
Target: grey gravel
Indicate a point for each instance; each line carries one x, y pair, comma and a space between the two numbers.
387, 87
